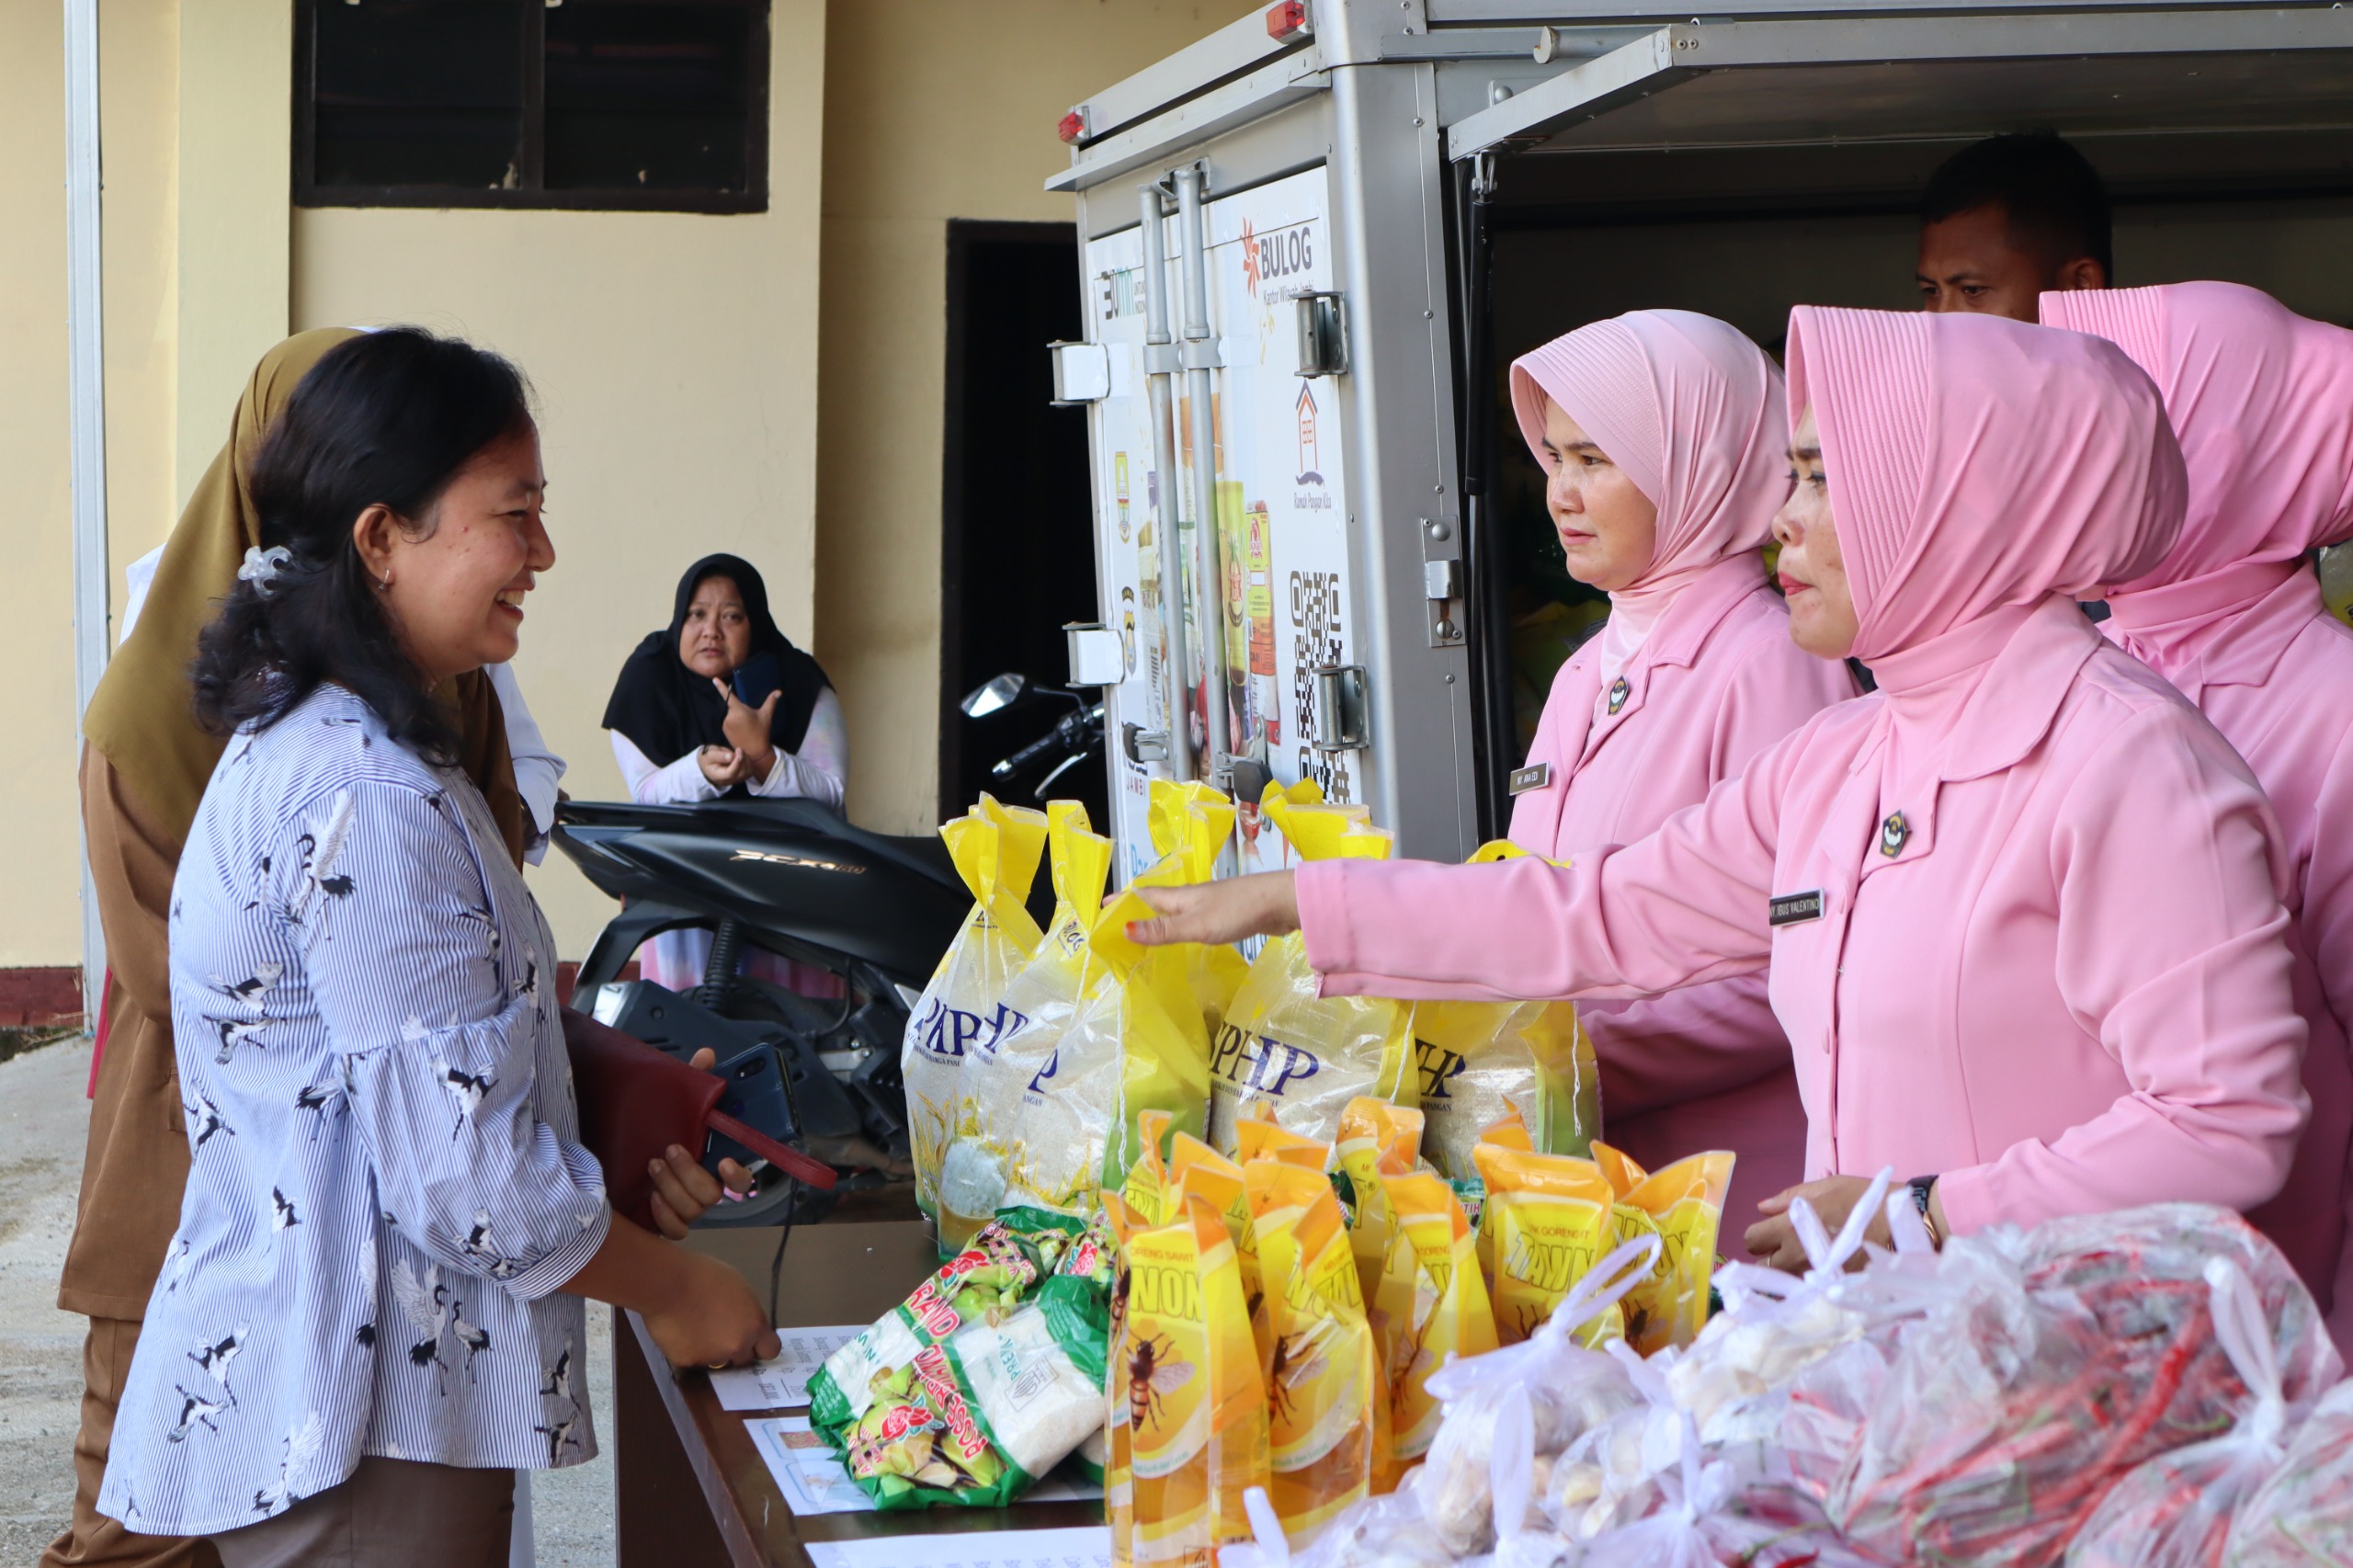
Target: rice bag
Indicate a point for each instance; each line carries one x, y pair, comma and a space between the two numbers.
1197, 1406
1547, 1218
984, 1379
1076, 1078
2175, 1511
1189, 824
1432, 1304
1684, 1205
1326, 1402
2303, 1516
1283, 1046
989, 1164
995, 849
1481, 1061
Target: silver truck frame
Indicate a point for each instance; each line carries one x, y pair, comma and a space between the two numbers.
1413, 106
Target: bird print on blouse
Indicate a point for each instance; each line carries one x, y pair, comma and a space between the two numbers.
302, 1444
426, 1304
388, 1194
214, 1356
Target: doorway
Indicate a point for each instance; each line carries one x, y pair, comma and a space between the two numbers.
1018, 536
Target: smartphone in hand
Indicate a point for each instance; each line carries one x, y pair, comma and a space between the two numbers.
756, 678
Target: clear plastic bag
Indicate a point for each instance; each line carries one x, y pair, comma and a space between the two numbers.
2175, 1511
1566, 1390
2302, 1516
2044, 1367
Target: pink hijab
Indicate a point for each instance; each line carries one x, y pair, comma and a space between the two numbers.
2260, 398
1692, 410
1977, 467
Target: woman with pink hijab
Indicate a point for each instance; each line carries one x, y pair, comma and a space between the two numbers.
2262, 401
2020, 912
1661, 434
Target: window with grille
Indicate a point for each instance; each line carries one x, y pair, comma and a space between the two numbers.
648, 105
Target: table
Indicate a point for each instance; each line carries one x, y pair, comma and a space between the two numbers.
691, 1488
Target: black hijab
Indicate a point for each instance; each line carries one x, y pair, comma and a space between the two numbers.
667, 711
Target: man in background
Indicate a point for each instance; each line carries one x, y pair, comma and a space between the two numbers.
2008, 218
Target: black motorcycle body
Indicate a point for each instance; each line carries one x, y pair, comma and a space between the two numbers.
792, 878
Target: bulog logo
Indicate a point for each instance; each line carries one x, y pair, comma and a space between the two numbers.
1259, 1062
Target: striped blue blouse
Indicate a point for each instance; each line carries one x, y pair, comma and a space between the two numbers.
387, 1188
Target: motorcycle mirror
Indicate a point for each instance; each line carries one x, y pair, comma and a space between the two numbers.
993, 696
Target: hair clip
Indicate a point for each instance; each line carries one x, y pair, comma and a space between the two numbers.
262, 566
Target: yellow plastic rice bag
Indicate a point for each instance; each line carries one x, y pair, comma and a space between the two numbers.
1286, 1048
986, 1165
1108, 1032
1189, 824
1683, 1205
1546, 1220
1188, 1369
1325, 1401
996, 849
1478, 1062
1431, 1304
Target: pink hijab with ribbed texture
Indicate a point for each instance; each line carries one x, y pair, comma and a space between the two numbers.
1692, 410
2262, 401
1977, 467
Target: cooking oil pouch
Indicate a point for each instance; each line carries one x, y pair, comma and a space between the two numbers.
1507, 1131
1683, 1205
1432, 1304
987, 1166
1125, 1224
1325, 1401
1546, 1220
1145, 1186
1478, 1062
1195, 1168
1188, 1369
996, 849
1282, 1045
985, 1378
1377, 1139
1261, 1138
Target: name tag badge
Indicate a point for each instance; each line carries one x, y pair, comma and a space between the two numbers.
1796, 908
1535, 776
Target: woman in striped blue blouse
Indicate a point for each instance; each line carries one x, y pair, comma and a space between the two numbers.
371, 1316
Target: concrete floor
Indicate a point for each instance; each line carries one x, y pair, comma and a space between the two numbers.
43, 1120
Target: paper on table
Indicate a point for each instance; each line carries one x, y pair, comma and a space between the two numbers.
1085, 1546
782, 1382
811, 1476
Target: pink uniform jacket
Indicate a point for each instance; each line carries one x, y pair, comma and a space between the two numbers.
2022, 911
1716, 682
2066, 991
2262, 400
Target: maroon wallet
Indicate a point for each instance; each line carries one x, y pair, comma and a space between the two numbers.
635, 1103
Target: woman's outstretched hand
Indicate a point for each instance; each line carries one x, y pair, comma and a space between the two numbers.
1262, 906
747, 729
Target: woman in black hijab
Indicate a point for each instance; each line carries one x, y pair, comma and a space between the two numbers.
721, 703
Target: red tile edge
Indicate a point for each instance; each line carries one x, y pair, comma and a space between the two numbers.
39, 998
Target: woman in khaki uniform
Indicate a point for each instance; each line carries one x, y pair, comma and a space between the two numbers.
144, 770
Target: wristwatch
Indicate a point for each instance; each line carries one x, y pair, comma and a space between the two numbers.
1922, 1187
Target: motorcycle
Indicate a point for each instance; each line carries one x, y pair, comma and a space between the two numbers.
793, 878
